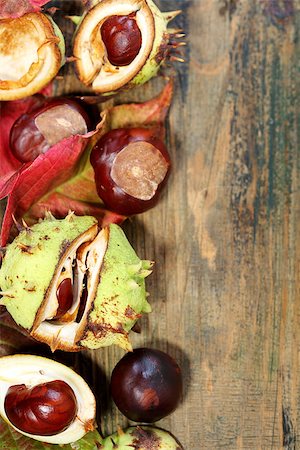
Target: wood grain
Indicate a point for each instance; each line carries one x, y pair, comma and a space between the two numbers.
225, 237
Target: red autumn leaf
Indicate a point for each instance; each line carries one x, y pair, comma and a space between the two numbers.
151, 113
9, 113
17, 8
62, 179
41, 176
60, 205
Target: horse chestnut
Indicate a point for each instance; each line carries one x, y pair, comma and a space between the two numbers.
146, 385
44, 410
122, 39
64, 295
131, 166
36, 131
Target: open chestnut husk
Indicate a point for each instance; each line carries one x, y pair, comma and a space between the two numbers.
122, 43
131, 167
32, 50
44, 399
146, 385
73, 286
45, 125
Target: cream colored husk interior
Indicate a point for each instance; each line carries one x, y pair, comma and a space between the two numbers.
33, 370
92, 64
30, 55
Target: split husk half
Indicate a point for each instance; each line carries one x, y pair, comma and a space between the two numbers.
32, 50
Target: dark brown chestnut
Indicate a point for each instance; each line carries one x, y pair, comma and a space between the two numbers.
64, 296
55, 119
146, 385
44, 410
122, 39
131, 167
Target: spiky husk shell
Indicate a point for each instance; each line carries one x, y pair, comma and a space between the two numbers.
30, 263
141, 69
107, 279
141, 438
121, 296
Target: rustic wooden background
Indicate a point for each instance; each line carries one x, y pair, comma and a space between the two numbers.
224, 237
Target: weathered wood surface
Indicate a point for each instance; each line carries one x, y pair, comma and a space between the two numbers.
224, 237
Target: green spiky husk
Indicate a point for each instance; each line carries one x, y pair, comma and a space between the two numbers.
30, 262
121, 295
155, 60
140, 438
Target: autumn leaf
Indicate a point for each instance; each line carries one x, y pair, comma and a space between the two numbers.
17, 8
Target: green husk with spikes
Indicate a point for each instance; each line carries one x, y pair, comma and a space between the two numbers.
30, 262
121, 294
140, 438
107, 279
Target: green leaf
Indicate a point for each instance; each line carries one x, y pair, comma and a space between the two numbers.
12, 440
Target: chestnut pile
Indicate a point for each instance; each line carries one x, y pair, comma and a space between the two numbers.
131, 165
72, 280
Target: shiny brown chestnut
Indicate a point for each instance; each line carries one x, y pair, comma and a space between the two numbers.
53, 120
131, 167
146, 385
64, 295
45, 410
122, 39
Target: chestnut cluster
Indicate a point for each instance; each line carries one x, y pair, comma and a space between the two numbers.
116, 45
131, 165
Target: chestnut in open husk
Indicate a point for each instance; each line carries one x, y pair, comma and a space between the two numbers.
32, 50
122, 43
122, 39
44, 399
146, 385
73, 286
44, 409
53, 120
131, 167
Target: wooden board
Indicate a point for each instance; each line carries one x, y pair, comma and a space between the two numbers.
225, 237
